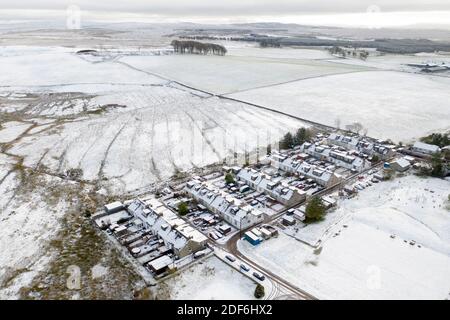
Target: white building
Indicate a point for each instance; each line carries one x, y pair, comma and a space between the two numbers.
232, 210
360, 144
400, 165
281, 192
175, 232
342, 159
323, 176
425, 148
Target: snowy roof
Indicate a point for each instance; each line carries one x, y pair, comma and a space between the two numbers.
160, 263
116, 205
425, 146
166, 224
403, 163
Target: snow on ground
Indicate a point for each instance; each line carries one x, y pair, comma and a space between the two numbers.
279, 53
418, 103
224, 74
26, 228
137, 147
210, 280
399, 61
362, 261
59, 67
11, 130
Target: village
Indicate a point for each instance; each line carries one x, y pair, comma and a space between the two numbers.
209, 214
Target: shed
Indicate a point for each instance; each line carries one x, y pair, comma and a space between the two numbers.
266, 234
400, 165
113, 207
160, 264
252, 238
288, 220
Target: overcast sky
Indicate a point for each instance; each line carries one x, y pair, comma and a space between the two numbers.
424, 11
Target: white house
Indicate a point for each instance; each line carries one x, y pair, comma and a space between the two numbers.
276, 189
236, 212
175, 232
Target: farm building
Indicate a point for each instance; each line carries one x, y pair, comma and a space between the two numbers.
425, 148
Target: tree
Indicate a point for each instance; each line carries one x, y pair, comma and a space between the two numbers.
195, 47
301, 136
259, 291
375, 158
437, 167
438, 139
183, 209
315, 210
229, 178
287, 142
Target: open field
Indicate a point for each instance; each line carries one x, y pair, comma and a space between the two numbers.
211, 279
362, 261
114, 129
230, 73
399, 106
77, 132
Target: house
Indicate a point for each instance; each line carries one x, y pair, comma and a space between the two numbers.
234, 211
361, 144
176, 234
400, 165
342, 159
275, 188
425, 148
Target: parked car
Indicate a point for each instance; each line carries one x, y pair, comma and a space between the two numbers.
244, 268
230, 258
258, 276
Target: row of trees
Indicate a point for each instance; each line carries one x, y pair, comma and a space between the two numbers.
301, 136
195, 47
438, 139
343, 52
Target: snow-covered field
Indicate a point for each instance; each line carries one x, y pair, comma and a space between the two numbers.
123, 124
395, 105
230, 73
399, 61
122, 129
211, 279
362, 261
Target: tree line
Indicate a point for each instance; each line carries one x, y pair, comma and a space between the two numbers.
195, 47
301, 136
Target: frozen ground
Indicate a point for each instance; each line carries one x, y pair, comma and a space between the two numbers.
118, 129
118, 126
233, 73
395, 105
362, 261
211, 279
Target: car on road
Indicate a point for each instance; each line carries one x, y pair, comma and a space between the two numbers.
230, 258
258, 276
243, 267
